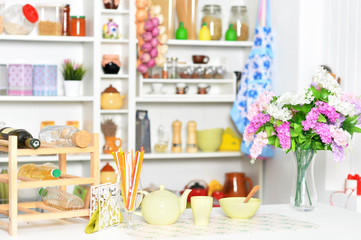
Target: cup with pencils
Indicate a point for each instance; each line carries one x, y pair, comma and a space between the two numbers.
129, 166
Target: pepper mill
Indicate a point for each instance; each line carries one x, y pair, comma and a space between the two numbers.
192, 140
177, 141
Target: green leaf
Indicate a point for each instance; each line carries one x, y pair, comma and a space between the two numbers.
293, 133
297, 107
269, 130
279, 123
272, 120
293, 145
272, 140
306, 108
324, 94
298, 128
356, 129
316, 93
321, 118
277, 143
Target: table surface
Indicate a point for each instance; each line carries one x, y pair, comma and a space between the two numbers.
332, 223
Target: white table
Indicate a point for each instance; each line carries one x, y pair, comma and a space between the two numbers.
333, 222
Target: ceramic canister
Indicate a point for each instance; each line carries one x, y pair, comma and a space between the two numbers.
44, 80
20, 80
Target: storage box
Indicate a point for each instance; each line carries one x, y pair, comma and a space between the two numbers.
45, 80
20, 80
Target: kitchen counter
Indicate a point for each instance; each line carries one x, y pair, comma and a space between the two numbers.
325, 222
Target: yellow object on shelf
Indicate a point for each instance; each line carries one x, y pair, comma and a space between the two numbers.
204, 33
230, 141
213, 186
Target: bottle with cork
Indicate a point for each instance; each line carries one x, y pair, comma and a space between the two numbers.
192, 140
177, 141
64, 136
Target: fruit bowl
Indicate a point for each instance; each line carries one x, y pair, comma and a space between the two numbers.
209, 140
234, 207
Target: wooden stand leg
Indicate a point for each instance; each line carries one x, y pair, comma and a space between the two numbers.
94, 160
62, 167
13, 186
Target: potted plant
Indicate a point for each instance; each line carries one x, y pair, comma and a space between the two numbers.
73, 74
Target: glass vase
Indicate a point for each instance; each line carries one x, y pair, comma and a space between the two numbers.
303, 195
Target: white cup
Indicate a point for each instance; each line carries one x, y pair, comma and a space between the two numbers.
157, 87
201, 208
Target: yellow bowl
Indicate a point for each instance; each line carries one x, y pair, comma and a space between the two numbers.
235, 208
209, 140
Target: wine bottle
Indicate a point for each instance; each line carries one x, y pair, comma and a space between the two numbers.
25, 139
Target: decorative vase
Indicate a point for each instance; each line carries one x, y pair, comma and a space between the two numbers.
112, 144
303, 195
72, 88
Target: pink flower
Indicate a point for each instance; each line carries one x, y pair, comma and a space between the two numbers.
248, 137
311, 119
339, 136
283, 133
76, 66
260, 104
260, 141
323, 130
66, 61
257, 121
328, 110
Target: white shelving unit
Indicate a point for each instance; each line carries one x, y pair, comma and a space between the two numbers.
221, 43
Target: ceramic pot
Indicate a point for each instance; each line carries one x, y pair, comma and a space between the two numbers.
235, 185
111, 101
107, 174
72, 88
112, 144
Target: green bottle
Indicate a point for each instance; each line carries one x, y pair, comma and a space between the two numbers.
231, 34
181, 32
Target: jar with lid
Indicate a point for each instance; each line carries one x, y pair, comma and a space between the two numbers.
77, 26
239, 20
49, 19
172, 67
20, 19
212, 17
2, 6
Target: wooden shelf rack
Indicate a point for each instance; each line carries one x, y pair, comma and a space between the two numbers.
17, 182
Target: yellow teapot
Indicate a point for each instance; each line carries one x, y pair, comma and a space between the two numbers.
111, 99
163, 207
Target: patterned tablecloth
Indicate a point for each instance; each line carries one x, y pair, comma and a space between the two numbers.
184, 228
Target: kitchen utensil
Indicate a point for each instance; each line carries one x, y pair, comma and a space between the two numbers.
235, 185
203, 88
111, 98
162, 207
181, 88
108, 175
200, 59
251, 193
234, 207
201, 208
143, 131
192, 140
209, 140
199, 188
112, 144
177, 142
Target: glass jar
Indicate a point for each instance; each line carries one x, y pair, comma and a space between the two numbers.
212, 17
49, 19
2, 6
239, 19
65, 21
77, 26
20, 19
172, 67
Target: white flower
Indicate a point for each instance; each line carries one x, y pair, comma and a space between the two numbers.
324, 78
296, 98
343, 107
278, 112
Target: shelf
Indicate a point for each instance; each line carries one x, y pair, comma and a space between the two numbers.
46, 158
183, 155
185, 98
50, 150
184, 80
64, 179
37, 38
221, 43
114, 41
121, 111
45, 99
114, 11
114, 76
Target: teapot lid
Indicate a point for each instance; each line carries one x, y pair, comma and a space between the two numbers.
110, 89
107, 168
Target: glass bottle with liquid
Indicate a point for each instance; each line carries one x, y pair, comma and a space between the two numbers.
60, 199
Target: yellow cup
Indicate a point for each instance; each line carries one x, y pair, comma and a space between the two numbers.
201, 208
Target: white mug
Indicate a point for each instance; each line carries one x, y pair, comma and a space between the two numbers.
157, 87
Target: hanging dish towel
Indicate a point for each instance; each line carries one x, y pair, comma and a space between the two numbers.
256, 76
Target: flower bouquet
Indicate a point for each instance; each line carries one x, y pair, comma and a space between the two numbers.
321, 117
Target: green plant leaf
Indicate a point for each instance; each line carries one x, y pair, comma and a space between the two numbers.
278, 122
356, 129
306, 108
269, 130
316, 93
321, 118
272, 140
293, 133
277, 143
293, 145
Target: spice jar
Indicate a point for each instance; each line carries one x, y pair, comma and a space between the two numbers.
20, 19
212, 17
239, 20
172, 63
49, 19
111, 64
2, 6
77, 26
209, 72
65, 27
